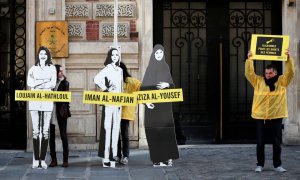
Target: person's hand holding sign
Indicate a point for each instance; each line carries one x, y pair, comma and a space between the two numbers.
250, 54
287, 52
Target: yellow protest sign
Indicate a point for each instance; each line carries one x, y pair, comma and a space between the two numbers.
108, 98
55, 96
159, 96
269, 47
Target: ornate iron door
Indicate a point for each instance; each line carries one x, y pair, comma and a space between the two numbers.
206, 44
12, 73
245, 18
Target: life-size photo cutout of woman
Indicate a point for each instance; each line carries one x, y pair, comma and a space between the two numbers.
159, 121
110, 79
42, 77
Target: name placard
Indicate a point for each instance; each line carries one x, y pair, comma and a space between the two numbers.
269, 47
123, 99
159, 96
108, 98
54, 96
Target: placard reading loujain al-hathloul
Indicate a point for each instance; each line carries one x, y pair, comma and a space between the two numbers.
269, 47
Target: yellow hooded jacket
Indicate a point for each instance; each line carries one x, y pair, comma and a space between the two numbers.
131, 85
269, 105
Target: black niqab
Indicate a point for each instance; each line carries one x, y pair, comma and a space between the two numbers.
157, 71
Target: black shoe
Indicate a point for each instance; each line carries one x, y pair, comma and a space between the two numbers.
117, 159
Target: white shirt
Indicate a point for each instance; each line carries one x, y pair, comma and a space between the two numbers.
46, 77
114, 75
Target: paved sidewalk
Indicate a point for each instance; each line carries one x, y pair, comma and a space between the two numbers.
196, 162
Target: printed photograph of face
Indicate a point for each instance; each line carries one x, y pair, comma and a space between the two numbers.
41, 76
159, 54
43, 56
115, 56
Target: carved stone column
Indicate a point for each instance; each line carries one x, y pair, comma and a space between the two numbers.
145, 22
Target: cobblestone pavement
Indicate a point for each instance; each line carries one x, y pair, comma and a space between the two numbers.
196, 162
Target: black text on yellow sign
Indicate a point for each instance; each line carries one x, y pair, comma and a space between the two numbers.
54, 96
269, 47
107, 98
159, 96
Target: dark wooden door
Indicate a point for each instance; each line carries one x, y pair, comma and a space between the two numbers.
206, 43
12, 72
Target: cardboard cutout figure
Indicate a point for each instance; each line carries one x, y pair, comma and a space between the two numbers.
41, 76
159, 122
110, 79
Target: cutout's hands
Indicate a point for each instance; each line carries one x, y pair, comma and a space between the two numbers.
42, 84
107, 83
150, 105
162, 85
112, 87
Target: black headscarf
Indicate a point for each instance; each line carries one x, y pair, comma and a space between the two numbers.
157, 71
271, 82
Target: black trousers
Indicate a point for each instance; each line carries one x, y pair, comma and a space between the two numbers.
274, 128
124, 149
62, 124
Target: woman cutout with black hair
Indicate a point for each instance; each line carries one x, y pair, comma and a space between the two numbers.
42, 77
109, 79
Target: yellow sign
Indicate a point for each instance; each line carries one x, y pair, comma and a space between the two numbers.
159, 96
55, 96
54, 36
269, 47
107, 98
123, 99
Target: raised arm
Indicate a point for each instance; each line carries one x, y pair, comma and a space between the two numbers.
289, 73
249, 70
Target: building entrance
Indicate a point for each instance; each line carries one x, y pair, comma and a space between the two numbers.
206, 44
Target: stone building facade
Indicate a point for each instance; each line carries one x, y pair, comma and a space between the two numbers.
91, 34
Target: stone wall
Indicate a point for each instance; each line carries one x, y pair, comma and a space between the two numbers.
291, 26
90, 36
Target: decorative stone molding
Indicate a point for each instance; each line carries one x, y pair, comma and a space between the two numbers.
77, 10
75, 0
76, 29
107, 30
104, 10
96, 48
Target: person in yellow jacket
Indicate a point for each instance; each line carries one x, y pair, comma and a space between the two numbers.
269, 107
130, 85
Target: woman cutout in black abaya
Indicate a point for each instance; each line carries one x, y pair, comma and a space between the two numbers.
159, 121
